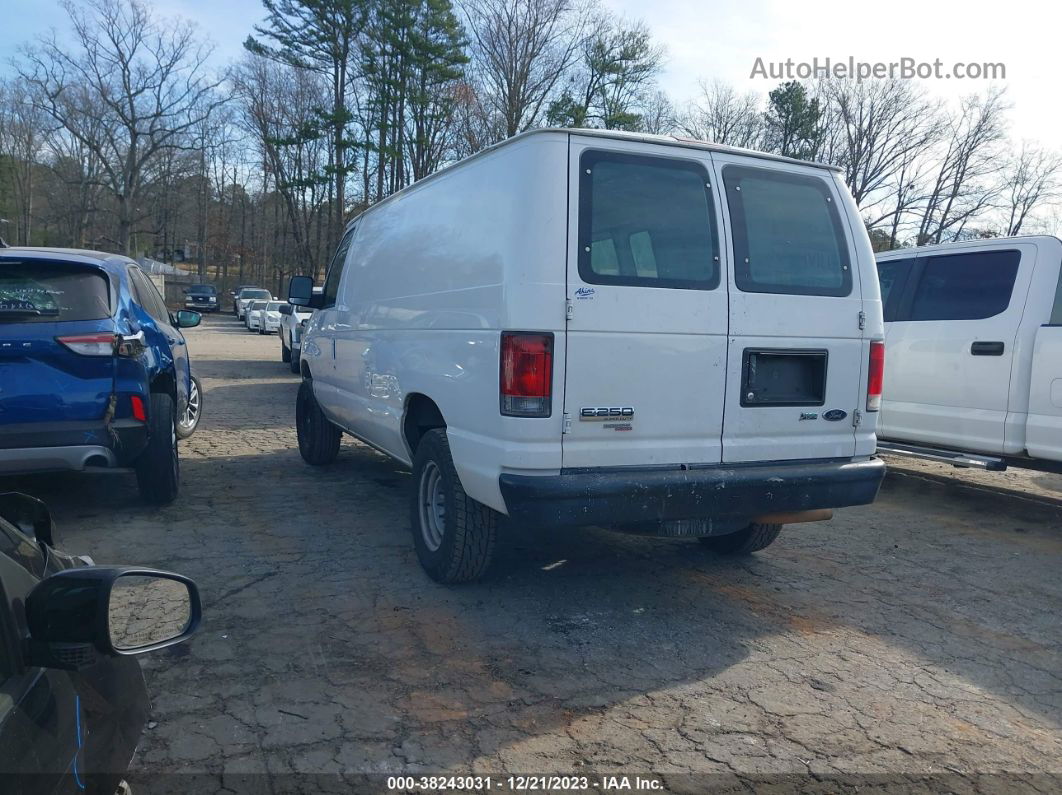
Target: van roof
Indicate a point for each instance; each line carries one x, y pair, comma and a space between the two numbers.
965, 245
665, 140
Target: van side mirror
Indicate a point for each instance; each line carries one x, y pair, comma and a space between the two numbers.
300, 291
78, 614
285, 309
29, 515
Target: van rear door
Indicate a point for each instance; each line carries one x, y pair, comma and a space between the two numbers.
797, 360
645, 364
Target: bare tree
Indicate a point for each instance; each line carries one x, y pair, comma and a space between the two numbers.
522, 49
967, 170
1031, 179
658, 115
22, 127
722, 115
875, 127
130, 87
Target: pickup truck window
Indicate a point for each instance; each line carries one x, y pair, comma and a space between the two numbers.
646, 221
969, 286
1056, 312
43, 292
788, 236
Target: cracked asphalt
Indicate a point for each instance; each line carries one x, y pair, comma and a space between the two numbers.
916, 637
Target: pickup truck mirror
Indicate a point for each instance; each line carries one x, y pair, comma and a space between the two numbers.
29, 515
285, 309
80, 613
300, 291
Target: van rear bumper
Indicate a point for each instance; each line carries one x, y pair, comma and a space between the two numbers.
629, 495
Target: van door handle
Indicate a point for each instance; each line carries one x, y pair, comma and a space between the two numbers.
987, 349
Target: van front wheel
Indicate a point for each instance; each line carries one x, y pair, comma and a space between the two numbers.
318, 437
453, 534
745, 541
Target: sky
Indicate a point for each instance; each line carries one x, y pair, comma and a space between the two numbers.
721, 39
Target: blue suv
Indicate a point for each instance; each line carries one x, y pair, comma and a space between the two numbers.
94, 370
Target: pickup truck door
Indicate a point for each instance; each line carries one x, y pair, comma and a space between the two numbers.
1044, 431
950, 348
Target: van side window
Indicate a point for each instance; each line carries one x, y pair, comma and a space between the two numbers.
646, 221
335, 269
788, 236
965, 286
1056, 311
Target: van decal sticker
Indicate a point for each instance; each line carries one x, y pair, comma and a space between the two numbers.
585, 293
808, 415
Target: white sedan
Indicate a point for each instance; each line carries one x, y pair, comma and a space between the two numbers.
253, 315
269, 317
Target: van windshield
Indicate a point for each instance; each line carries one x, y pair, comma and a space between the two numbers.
787, 233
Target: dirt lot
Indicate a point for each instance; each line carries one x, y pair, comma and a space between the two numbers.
917, 636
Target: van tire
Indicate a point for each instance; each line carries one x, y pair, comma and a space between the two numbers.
158, 469
465, 540
285, 351
318, 437
745, 541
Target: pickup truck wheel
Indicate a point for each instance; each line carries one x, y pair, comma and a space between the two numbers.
452, 533
285, 351
745, 541
318, 437
158, 469
295, 368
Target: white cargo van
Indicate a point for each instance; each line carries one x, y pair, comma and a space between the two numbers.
598, 328
974, 332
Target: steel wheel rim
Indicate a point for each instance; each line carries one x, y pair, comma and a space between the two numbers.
190, 418
432, 500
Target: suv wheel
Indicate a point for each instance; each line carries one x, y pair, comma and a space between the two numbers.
745, 541
189, 418
157, 468
453, 534
318, 437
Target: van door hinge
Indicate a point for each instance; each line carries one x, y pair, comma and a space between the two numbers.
569, 309
857, 417
567, 427
862, 319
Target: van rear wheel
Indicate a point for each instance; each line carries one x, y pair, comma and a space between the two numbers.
749, 539
318, 437
453, 534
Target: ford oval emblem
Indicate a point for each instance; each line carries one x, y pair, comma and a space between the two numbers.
834, 415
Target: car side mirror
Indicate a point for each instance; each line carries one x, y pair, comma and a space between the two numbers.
285, 309
29, 515
78, 614
300, 291
186, 318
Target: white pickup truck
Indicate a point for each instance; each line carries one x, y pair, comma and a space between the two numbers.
974, 334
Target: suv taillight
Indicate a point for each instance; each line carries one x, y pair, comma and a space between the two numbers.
90, 344
876, 376
526, 374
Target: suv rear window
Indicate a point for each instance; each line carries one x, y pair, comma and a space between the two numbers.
646, 221
47, 292
788, 236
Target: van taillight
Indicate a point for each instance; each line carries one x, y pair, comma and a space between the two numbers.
526, 374
90, 344
876, 376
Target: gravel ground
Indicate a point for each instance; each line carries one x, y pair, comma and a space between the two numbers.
918, 637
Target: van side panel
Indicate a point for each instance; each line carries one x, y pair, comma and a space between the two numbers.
435, 274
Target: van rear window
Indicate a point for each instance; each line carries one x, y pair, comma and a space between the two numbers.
646, 221
788, 236
48, 292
